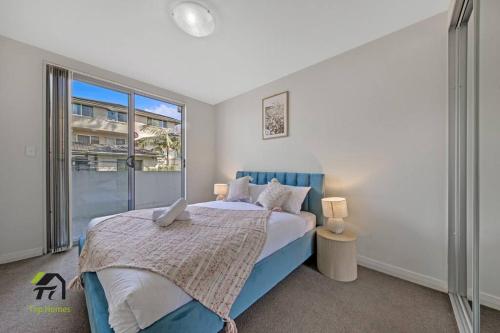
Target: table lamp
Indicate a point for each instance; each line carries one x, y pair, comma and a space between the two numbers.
220, 190
334, 209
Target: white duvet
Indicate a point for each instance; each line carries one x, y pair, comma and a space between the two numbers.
137, 298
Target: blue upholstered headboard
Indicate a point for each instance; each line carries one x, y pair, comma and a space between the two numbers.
312, 202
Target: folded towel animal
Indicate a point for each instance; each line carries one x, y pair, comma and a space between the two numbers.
166, 216
157, 212
184, 216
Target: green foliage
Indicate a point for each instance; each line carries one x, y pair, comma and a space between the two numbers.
160, 140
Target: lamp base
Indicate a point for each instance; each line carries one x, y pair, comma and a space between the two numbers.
335, 225
220, 197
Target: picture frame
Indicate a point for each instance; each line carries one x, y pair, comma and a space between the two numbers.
275, 116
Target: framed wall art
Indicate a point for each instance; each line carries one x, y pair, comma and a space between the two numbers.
275, 116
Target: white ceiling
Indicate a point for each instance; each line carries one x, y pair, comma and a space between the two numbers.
255, 41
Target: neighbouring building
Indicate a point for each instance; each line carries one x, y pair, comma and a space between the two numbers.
100, 142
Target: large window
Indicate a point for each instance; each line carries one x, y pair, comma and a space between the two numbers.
119, 162
83, 110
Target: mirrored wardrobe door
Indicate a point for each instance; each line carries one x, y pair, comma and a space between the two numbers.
463, 282
489, 164
470, 163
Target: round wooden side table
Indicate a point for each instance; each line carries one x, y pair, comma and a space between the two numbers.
337, 254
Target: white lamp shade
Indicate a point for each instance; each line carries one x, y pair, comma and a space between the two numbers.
334, 207
220, 189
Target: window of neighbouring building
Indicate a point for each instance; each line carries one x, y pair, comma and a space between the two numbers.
83, 139
117, 116
138, 165
123, 117
157, 122
87, 139
121, 165
116, 141
82, 110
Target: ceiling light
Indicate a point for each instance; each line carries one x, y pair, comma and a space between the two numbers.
193, 19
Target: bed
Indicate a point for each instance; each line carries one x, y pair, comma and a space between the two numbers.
280, 257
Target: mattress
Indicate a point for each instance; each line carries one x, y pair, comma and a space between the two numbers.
138, 298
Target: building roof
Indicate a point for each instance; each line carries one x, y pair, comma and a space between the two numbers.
122, 108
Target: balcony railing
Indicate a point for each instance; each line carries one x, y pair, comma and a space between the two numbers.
97, 193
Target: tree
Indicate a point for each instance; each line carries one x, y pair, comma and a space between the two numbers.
159, 139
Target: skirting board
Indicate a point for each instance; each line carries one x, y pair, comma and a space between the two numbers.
489, 300
424, 280
20, 255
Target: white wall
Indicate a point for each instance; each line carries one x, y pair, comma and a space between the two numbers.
489, 153
374, 120
22, 178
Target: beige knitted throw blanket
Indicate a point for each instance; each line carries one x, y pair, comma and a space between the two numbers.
210, 257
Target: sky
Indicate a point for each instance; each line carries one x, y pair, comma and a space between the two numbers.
90, 91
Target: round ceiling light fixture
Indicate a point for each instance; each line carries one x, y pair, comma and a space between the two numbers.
193, 18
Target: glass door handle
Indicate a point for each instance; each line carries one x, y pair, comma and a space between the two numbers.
131, 161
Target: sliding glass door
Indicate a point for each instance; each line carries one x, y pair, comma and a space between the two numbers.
126, 151
158, 161
99, 151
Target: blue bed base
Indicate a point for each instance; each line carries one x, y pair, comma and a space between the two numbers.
194, 317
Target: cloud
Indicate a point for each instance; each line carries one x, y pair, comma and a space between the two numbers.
166, 110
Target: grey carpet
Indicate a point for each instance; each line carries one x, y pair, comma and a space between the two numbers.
490, 320
304, 302
16, 294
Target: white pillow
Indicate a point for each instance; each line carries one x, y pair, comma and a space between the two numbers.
273, 196
239, 190
255, 191
294, 201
